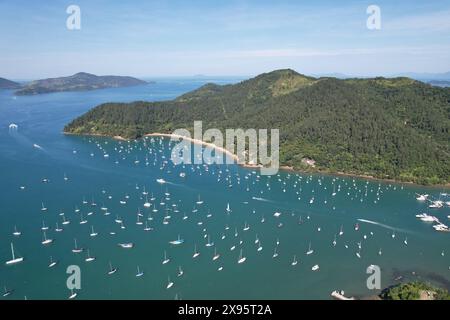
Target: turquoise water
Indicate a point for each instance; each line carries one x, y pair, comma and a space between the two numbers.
108, 180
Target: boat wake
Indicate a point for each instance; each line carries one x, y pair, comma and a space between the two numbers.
262, 199
383, 225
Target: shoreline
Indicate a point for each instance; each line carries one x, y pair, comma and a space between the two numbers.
281, 168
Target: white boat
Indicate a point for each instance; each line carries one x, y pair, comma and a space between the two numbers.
46, 241
310, 251
166, 259
358, 254
199, 200
315, 267
216, 255
246, 227
277, 214
241, 258
126, 245
177, 242
421, 197
73, 295
43, 208
196, 253
228, 208
275, 253
16, 233
7, 292
340, 295
341, 231
111, 269
93, 233
209, 243
334, 241
76, 249
14, 260
406, 241
147, 228
139, 273
52, 263
44, 227
169, 284
88, 257
58, 229
294, 262
180, 271
161, 181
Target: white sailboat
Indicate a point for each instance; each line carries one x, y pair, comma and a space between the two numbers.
177, 242
241, 258
196, 253
315, 267
216, 255
14, 260
46, 241
139, 273
93, 233
16, 233
111, 269
73, 294
58, 229
310, 251
180, 272
52, 262
76, 249
166, 259
275, 253
294, 262
88, 257
169, 283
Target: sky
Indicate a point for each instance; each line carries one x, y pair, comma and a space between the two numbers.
150, 38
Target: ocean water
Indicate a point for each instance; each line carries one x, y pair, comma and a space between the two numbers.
311, 217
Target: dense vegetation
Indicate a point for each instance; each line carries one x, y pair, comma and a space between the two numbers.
415, 291
388, 128
81, 81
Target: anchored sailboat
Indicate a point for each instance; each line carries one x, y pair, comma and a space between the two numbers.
14, 260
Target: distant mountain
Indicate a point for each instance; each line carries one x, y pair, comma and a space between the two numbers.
78, 82
396, 128
426, 76
8, 84
440, 83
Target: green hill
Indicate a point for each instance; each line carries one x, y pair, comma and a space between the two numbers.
81, 81
395, 128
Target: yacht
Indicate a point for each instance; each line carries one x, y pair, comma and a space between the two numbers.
139, 273
315, 267
14, 260
111, 269
216, 255
161, 181
88, 257
52, 263
169, 283
310, 251
294, 262
196, 253
421, 197
16, 233
177, 242
46, 241
166, 259
241, 258
275, 253
126, 245
180, 271
76, 249
93, 233
73, 294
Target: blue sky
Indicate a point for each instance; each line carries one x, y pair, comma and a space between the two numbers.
181, 38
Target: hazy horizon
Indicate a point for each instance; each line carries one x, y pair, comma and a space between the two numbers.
236, 38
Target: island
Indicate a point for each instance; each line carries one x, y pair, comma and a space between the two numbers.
386, 128
81, 81
8, 84
414, 291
